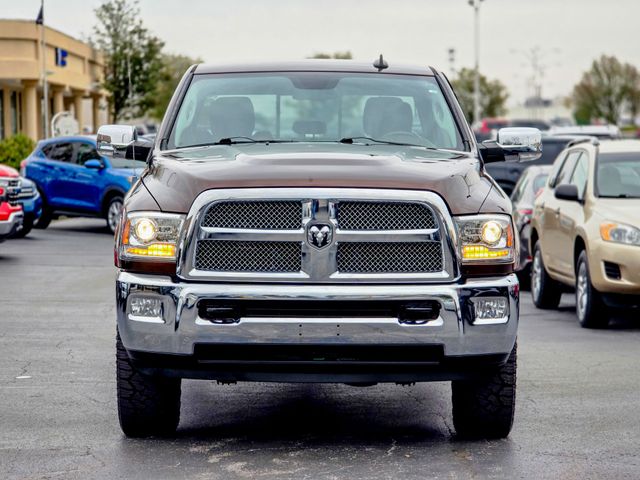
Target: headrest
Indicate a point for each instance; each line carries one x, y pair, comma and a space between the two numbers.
383, 115
232, 117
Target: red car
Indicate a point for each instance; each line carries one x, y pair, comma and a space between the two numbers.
11, 214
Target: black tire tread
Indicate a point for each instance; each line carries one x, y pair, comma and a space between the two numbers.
596, 317
550, 290
146, 405
485, 407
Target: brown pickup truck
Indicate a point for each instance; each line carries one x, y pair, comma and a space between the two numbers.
316, 222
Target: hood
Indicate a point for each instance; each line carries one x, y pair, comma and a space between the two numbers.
623, 210
7, 171
177, 177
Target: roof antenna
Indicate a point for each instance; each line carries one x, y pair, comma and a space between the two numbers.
380, 64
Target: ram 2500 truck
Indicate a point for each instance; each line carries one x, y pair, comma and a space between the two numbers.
316, 222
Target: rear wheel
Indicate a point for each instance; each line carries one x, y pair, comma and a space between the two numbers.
546, 292
114, 210
589, 306
485, 407
146, 405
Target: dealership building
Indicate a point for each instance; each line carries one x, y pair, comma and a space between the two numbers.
74, 74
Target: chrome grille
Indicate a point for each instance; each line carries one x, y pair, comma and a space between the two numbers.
26, 192
356, 215
389, 257
266, 235
247, 256
271, 215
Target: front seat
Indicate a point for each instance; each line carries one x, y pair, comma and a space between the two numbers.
383, 115
232, 117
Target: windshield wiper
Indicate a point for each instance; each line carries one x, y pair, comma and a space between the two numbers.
235, 141
352, 140
619, 195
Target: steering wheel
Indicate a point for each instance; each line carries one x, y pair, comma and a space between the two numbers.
407, 137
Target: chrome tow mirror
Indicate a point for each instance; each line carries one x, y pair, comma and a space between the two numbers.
520, 144
113, 140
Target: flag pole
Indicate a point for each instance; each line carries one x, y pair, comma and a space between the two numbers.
45, 85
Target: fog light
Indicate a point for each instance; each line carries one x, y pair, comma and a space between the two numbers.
490, 310
146, 308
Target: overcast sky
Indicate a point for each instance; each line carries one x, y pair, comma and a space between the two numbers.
569, 33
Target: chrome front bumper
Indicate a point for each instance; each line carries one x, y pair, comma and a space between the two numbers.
10, 226
179, 328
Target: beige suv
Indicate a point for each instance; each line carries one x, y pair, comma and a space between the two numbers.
586, 230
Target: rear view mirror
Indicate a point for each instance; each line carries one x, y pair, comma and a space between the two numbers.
567, 191
94, 164
520, 144
113, 140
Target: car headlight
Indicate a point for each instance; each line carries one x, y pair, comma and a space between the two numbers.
485, 238
620, 233
149, 236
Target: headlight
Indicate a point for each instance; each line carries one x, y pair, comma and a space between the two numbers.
149, 236
485, 238
620, 233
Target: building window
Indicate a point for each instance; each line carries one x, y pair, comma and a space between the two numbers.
15, 113
1, 114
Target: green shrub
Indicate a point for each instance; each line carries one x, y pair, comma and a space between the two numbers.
15, 149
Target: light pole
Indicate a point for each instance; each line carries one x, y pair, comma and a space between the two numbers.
476, 77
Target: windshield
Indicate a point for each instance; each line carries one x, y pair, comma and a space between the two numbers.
618, 175
315, 107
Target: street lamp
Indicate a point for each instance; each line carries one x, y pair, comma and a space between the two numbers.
476, 78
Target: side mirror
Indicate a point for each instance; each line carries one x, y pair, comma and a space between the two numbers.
513, 144
113, 140
94, 164
567, 191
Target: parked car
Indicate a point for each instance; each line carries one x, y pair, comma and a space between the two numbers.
74, 180
28, 197
507, 174
528, 188
283, 235
487, 128
603, 132
585, 231
10, 211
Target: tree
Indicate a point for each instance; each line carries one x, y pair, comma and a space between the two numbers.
173, 68
133, 62
605, 90
493, 94
346, 55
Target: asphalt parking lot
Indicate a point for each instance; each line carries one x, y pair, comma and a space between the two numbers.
578, 413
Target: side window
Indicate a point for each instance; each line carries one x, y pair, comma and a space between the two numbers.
62, 152
567, 168
580, 175
84, 152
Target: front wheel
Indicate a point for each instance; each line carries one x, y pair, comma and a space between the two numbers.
27, 226
146, 405
589, 307
484, 407
546, 292
114, 210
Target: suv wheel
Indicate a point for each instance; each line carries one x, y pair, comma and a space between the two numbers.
27, 226
484, 407
589, 308
146, 405
546, 292
114, 210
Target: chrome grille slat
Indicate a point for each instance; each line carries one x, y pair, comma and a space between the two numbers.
396, 257
366, 215
260, 215
243, 256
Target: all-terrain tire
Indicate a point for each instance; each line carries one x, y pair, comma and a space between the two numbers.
484, 407
147, 405
545, 291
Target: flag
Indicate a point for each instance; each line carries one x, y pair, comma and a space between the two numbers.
40, 19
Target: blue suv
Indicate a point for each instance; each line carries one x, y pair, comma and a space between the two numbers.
74, 179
